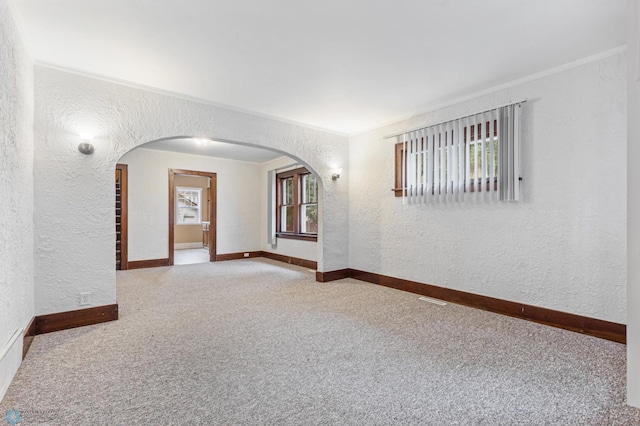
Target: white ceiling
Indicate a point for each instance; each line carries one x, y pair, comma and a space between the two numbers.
341, 65
214, 149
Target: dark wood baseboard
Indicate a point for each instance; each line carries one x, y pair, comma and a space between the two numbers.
240, 255
291, 260
29, 334
325, 277
591, 326
154, 263
71, 319
586, 325
151, 263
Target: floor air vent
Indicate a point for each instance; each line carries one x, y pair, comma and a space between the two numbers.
434, 301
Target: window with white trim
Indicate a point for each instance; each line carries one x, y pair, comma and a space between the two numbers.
188, 205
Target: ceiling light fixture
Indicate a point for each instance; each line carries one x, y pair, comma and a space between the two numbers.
202, 141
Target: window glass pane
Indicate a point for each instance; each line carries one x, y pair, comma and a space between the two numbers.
286, 224
309, 222
495, 157
473, 160
479, 160
287, 191
309, 189
188, 215
188, 205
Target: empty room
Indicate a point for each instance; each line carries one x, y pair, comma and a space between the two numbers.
320, 213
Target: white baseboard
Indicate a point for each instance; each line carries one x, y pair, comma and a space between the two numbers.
182, 246
10, 360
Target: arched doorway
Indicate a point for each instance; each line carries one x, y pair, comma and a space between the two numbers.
242, 197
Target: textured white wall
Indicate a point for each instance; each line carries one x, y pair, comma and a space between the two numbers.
238, 210
74, 193
16, 181
296, 248
562, 248
633, 204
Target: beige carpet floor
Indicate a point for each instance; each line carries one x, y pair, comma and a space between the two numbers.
256, 342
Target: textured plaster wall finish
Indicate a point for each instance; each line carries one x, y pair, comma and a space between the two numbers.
307, 250
237, 211
75, 193
16, 181
295, 248
562, 247
633, 204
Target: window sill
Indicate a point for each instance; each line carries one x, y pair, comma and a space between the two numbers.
302, 237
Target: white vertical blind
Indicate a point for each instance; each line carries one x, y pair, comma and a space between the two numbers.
492, 154
485, 137
436, 165
412, 167
509, 153
404, 168
424, 165
475, 137
430, 134
478, 153
455, 160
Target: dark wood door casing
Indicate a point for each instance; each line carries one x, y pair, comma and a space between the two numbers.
212, 209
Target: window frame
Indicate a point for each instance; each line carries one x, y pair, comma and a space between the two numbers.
400, 181
297, 175
303, 204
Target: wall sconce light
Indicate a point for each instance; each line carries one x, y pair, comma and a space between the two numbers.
86, 147
335, 174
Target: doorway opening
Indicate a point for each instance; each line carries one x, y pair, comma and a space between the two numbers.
192, 216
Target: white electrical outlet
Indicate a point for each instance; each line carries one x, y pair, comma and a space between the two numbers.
246, 255
85, 298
